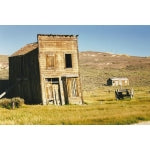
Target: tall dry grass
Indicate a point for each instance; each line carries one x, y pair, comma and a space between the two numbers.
100, 108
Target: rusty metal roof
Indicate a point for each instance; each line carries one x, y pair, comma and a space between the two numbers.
24, 50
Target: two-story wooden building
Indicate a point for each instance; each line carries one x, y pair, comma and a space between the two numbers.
47, 71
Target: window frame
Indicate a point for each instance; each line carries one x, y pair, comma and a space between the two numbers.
50, 55
71, 66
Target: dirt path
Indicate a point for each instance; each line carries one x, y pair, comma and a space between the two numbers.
143, 123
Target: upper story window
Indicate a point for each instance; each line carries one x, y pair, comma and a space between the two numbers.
50, 61
68, 60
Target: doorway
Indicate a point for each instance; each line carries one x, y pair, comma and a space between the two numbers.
52, 91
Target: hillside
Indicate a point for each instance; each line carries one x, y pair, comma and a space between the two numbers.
97, 67
100, 104
100, 60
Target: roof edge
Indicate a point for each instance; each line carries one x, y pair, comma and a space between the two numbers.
24, 50
66, 35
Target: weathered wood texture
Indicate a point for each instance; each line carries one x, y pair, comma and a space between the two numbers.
47, 71
118, 82
24, 72
123, 93
52, 51
4, 84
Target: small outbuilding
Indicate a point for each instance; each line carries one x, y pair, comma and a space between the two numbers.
117, 81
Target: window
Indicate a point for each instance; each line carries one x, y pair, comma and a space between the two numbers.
52, 80
68, 60
50, 61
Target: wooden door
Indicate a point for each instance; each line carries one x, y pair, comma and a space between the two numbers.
56, 95
52, 93
72, 87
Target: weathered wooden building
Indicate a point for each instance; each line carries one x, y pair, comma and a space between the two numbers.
47, 71
118, 81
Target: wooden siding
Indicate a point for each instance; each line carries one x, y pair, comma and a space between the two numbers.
59, 46
30, 71
4, 84
118, 82
24, 74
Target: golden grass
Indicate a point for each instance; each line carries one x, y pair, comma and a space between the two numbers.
101, 108
108, 113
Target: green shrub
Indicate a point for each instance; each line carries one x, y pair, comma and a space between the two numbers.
15, 102
6, 103
18, 101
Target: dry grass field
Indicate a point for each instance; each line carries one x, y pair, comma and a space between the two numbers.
100, 105
99, 109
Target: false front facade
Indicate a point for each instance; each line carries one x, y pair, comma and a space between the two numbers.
47, 71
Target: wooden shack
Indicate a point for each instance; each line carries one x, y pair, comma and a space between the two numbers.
117, 81
47, 71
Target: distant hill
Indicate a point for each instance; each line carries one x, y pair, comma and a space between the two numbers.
101, 60
97, 67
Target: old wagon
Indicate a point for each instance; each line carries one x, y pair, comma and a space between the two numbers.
124, 93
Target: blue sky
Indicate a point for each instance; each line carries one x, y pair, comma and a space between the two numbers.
131, 40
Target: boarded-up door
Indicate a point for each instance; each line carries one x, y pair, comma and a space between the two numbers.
72, 87
52, 93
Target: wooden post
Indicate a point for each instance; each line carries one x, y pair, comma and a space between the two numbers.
43, 93
61, 91
3, 94
13, 104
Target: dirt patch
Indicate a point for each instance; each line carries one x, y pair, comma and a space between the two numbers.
143, 123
